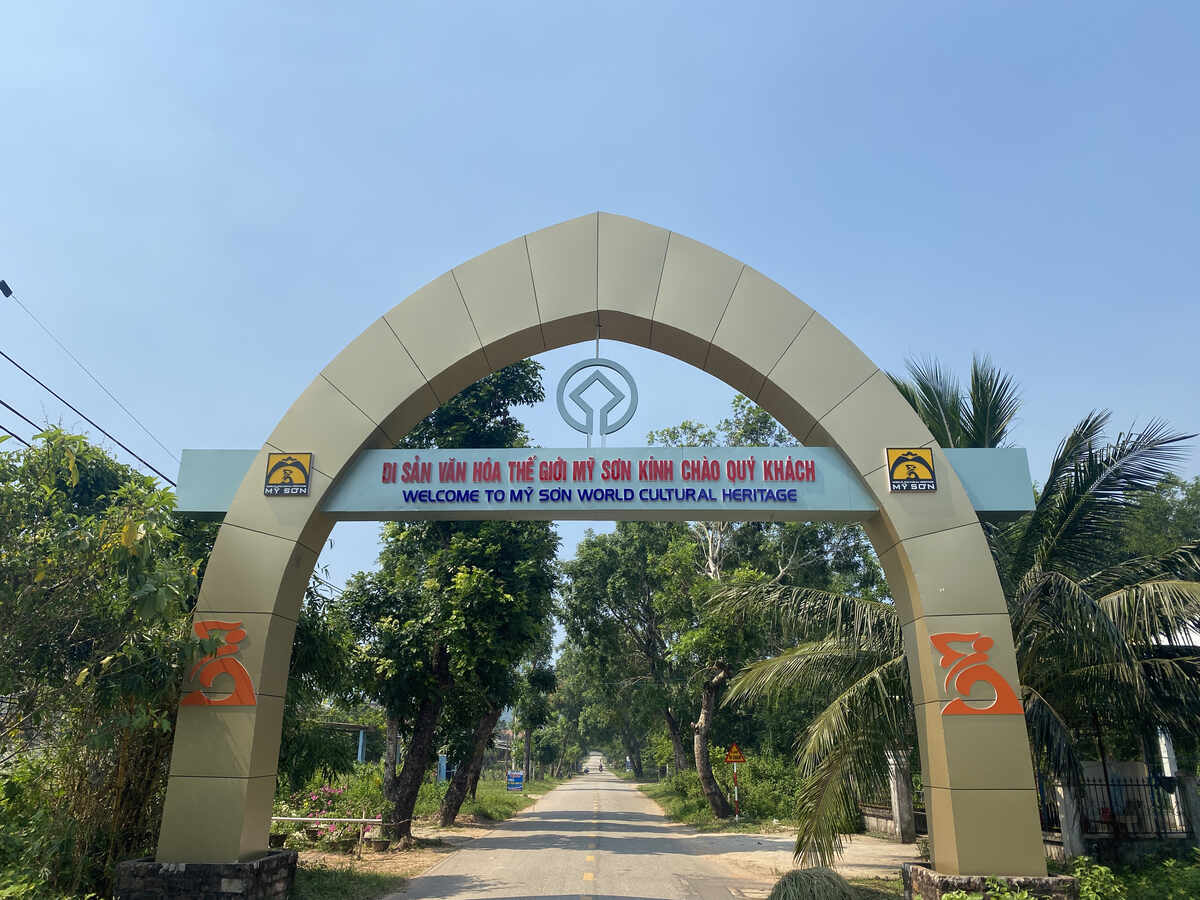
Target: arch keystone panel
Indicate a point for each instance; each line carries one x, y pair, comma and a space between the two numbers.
563, 259
630, 261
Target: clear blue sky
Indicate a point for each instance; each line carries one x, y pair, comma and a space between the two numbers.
206, 201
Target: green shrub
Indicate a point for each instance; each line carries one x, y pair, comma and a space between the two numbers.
1169, 880
1097, 882
812, 884
995, 891
768, 784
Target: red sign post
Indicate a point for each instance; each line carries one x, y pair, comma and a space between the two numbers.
735, 756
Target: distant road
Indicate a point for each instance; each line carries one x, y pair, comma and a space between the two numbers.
595, 837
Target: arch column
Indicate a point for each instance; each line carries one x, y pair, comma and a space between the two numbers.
647, 286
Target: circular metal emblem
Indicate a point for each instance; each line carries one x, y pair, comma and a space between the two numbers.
590, 413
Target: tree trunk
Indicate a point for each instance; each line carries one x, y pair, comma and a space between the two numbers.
708, 783
562, 761
420, 750
475, 782
465, 775
389, 759
676, 741
528, 754
635, 757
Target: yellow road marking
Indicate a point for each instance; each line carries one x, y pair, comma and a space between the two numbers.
589, 858
589, 876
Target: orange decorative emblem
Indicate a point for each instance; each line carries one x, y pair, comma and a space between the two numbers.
967, 668
221, 663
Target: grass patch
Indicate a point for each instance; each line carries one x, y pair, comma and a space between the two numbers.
319, 882
878, 888
493, 801
692, 809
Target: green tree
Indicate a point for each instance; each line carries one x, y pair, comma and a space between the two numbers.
97, 580
715, 644
1165, 518
618, 596
322, 656
455, 605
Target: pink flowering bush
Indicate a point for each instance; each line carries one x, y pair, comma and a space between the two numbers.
359, 795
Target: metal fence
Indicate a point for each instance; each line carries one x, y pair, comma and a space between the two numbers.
1048, 809
881, 805
1136, 808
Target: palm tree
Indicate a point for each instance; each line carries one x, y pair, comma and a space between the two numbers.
1098, 639
980, 417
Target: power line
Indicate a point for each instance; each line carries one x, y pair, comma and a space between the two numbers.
77, 412
14, 434
16, 412
8, 292
328, 584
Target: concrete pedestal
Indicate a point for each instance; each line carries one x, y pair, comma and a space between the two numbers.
922, 883
264, 878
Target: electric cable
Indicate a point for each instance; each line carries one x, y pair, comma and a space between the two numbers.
18, 413
17, 436
77, 412
328, 584
8, 293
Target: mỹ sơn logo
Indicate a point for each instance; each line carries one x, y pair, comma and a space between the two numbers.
288, 474
222, 662
967, 667
911, 469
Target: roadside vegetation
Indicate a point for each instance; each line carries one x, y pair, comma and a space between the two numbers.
769, 786
679, 639
359, 794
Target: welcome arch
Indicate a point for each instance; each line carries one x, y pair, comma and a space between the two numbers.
655, 288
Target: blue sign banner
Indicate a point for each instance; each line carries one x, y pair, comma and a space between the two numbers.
516, 780
641, 483
689, 483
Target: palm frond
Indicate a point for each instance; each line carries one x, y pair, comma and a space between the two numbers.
1060, 629
1182, 563
939, 400
1073, 528
1050, 738
842, 757
803, 613
908, 391
992, 404
1155, 611
811, 667
1024, 535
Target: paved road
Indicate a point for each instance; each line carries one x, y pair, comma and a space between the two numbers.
595, 837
